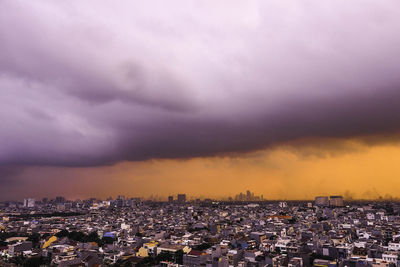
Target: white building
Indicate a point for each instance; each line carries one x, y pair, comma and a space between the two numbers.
394, 246
390, 257
29, 202
283, 204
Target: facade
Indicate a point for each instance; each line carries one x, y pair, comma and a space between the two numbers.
194, 258
182, 198
321, 201
336, 201
202, 233
19, 248
29, 202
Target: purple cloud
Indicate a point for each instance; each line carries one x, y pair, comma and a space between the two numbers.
88, 83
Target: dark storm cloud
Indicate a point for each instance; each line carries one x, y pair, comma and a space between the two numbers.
88, 83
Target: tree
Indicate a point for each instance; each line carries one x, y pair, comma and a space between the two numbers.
77, 236
107, 240
35, 238
35, 262
179, 257
62, 233
164, 256
202, 246
92, 237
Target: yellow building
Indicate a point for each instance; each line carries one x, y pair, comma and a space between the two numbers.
50, 241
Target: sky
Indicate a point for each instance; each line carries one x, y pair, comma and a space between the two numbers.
288, 99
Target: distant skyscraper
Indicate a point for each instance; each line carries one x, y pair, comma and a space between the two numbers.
120, 202
29, 202
170, 199
60, 199
336, 201
321, 201
248, 195
181, 198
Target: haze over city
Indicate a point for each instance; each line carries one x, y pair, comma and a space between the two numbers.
290, 100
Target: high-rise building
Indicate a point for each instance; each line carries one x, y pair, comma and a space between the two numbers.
321, 201
181, 198
120, 202
170, 199
29, 202
336, 201
60, 199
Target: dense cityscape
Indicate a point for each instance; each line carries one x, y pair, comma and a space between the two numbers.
246, 231
133, 133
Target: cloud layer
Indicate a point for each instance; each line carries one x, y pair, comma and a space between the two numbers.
89, 83
370, 173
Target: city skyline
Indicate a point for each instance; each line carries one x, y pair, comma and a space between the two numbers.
287, 99
240, 197
129, 232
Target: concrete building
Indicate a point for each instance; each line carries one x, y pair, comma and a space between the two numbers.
195, 258
321, 201
29, 202
283, 204
181, 198
19, 248
336, 201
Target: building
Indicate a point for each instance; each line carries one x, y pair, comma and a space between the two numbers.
283, 204
296, 262
258, 237
324, 263
60, 199
321, 201
29, 202
170, 199
168, 248
194, 258
390, 257
120, 201
248, 195
336, 201
18, 248
181, 198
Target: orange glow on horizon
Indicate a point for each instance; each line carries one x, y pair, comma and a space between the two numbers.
352, 169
